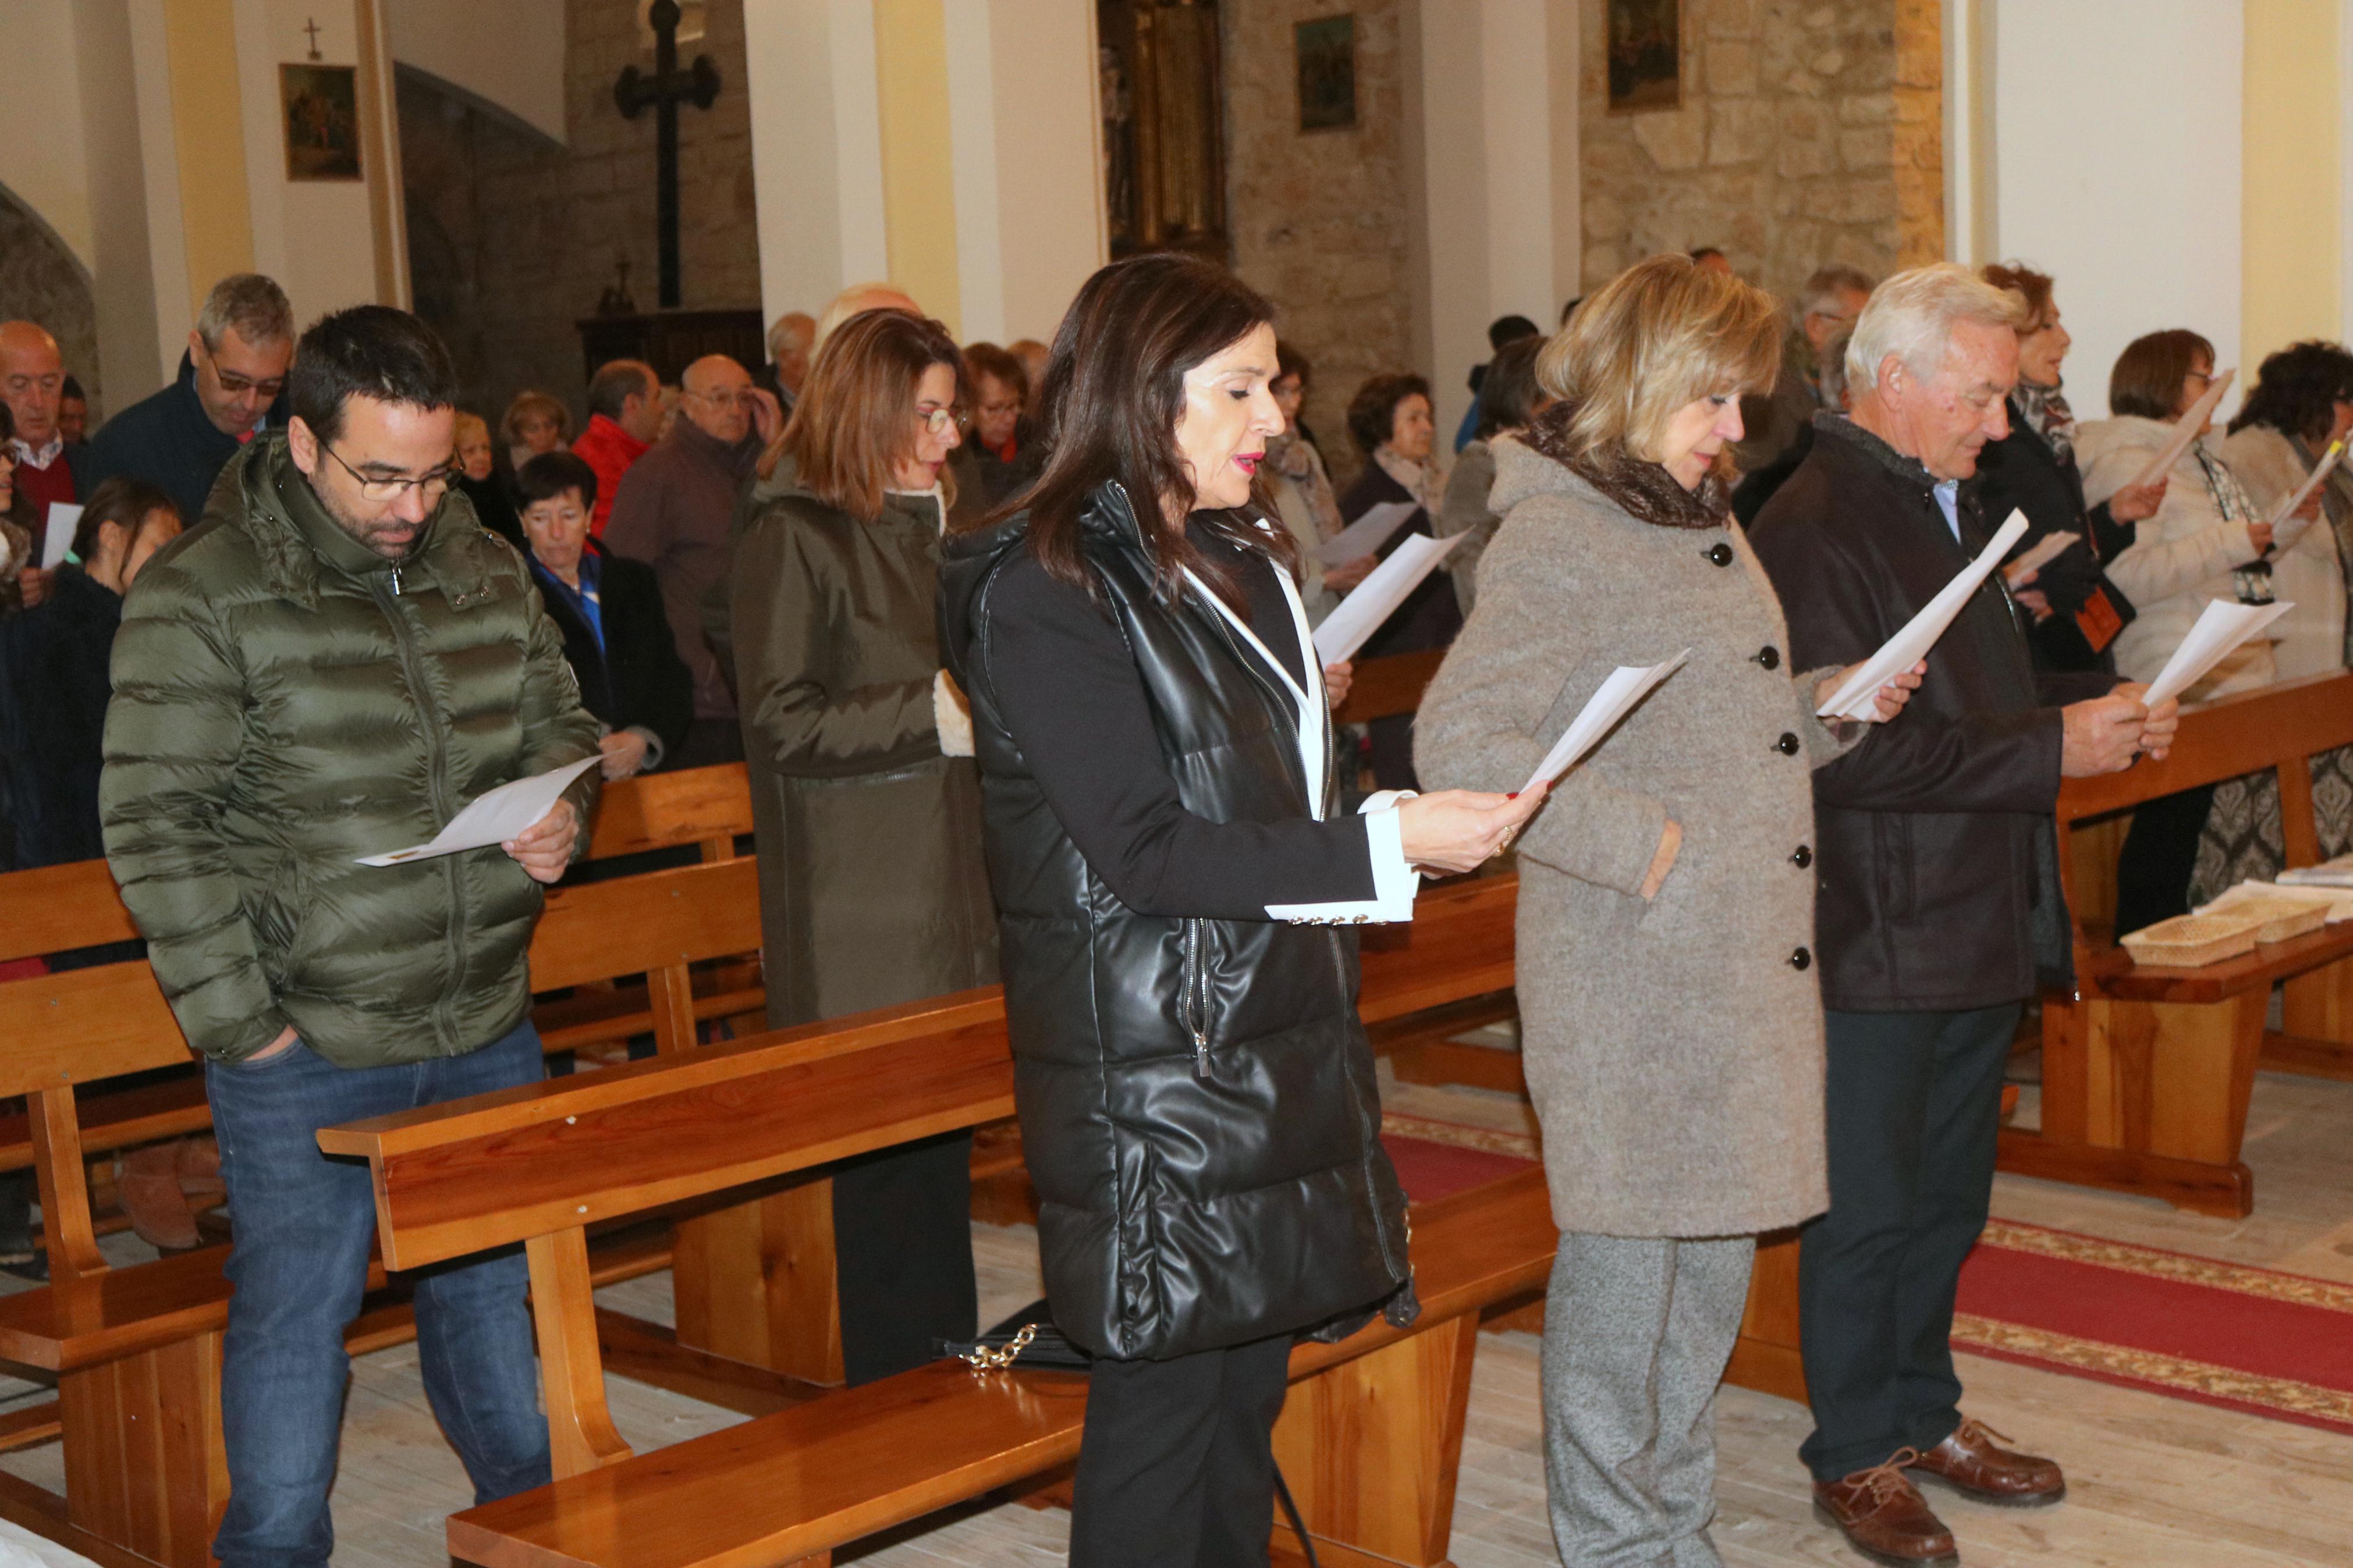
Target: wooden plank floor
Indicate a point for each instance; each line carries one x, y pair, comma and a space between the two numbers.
2155, 1482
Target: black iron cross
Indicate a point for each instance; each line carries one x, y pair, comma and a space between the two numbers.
312, 27
663, 92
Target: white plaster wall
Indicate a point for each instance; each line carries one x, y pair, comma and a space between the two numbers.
817, 149
123, 273
1499, 146
41, 148
312, 236
2117, 159
1050, 221
507, 53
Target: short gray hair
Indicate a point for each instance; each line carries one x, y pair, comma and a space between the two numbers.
251, 303
1822, 290
1912, 316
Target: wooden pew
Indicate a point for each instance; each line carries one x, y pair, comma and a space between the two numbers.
135, 1350
2146, 1071
1370, 1439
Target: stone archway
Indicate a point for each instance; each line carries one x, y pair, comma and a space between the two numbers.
40, 281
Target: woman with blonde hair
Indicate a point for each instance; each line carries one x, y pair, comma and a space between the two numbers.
864, 797
1671, 1027
534, 423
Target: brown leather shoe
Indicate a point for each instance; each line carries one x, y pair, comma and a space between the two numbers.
147, 1183
1972, 1461
1885, 1517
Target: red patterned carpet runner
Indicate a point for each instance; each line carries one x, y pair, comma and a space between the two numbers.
2245, 1339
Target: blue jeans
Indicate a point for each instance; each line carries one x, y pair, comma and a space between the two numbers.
304, 1227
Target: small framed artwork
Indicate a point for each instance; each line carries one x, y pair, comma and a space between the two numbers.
320, 104
1645, 55
1327, 73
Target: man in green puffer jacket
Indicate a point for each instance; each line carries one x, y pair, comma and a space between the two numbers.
330, 665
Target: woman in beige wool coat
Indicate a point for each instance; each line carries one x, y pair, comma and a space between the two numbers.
1671, 1023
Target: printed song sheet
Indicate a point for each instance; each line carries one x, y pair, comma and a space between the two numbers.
64, 518
2220, 629
1377, 598
1857, 697
2038, 555
2320, 471
2185, 430
495, 817
1366, 534
1619, 695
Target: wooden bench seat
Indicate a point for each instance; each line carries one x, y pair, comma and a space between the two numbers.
538, 1164
2146, 1072
805, 1481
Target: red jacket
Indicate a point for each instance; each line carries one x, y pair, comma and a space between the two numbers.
610, 451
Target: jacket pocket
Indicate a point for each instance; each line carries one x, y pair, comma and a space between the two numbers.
1193, 994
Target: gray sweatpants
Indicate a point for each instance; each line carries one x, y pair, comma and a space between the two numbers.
1637, 1333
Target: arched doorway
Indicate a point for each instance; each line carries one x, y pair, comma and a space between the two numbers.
40, 281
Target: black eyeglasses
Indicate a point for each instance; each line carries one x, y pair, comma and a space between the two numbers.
432, 486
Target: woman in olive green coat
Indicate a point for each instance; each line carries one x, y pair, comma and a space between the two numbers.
864, 797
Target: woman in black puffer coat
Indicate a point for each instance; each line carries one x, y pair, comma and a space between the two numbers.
1169, 857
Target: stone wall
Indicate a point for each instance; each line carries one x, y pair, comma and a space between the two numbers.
511, 238
1781, 152
40, 281
1319, 219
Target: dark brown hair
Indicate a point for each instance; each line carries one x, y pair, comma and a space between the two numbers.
2297, 390
856, 416
2148, 374
1114, 392
127, 504
2019, 278
1372, 412
987, 359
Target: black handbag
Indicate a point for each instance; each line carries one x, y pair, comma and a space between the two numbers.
1030, 1338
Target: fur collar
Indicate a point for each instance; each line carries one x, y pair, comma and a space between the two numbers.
1647, 491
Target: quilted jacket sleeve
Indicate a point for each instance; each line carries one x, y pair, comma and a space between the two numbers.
174, 731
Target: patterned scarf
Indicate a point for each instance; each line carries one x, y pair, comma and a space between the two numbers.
2047, 414
1647, 491
1425, 481
1291, 456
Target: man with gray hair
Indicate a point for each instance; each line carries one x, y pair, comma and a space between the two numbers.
1939, 910
230, 387
792, 340
1828, 303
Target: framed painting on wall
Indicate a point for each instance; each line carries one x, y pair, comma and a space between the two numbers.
1327, 73
1645, 55
322, 109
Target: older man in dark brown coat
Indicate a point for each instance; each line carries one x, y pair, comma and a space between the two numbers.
1939, 901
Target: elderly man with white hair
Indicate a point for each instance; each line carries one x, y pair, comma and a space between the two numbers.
1939, 909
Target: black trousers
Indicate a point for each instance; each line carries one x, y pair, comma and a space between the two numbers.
902, 1255
708, 742
2159, 853
1915, 1102
1177, 1468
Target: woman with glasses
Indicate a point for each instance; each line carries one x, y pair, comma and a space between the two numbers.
863, 792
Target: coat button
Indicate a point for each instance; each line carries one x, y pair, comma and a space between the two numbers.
1786, 745
1801, 959
1769, 657
1802, 858
1721, 555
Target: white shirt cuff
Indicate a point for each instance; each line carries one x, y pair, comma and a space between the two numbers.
1395, 883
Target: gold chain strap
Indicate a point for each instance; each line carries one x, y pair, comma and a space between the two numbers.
988, 1360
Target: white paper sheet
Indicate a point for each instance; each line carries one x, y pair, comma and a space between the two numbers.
64, 518
1366, 534
1618, 695
2337, 873
2185, 430
495, 817
2221, 627
1857, 698
1377, 598
2320, 470
2336, 899
2039, 554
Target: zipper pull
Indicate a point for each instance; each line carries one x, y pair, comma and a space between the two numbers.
395, 579
1200, 1056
